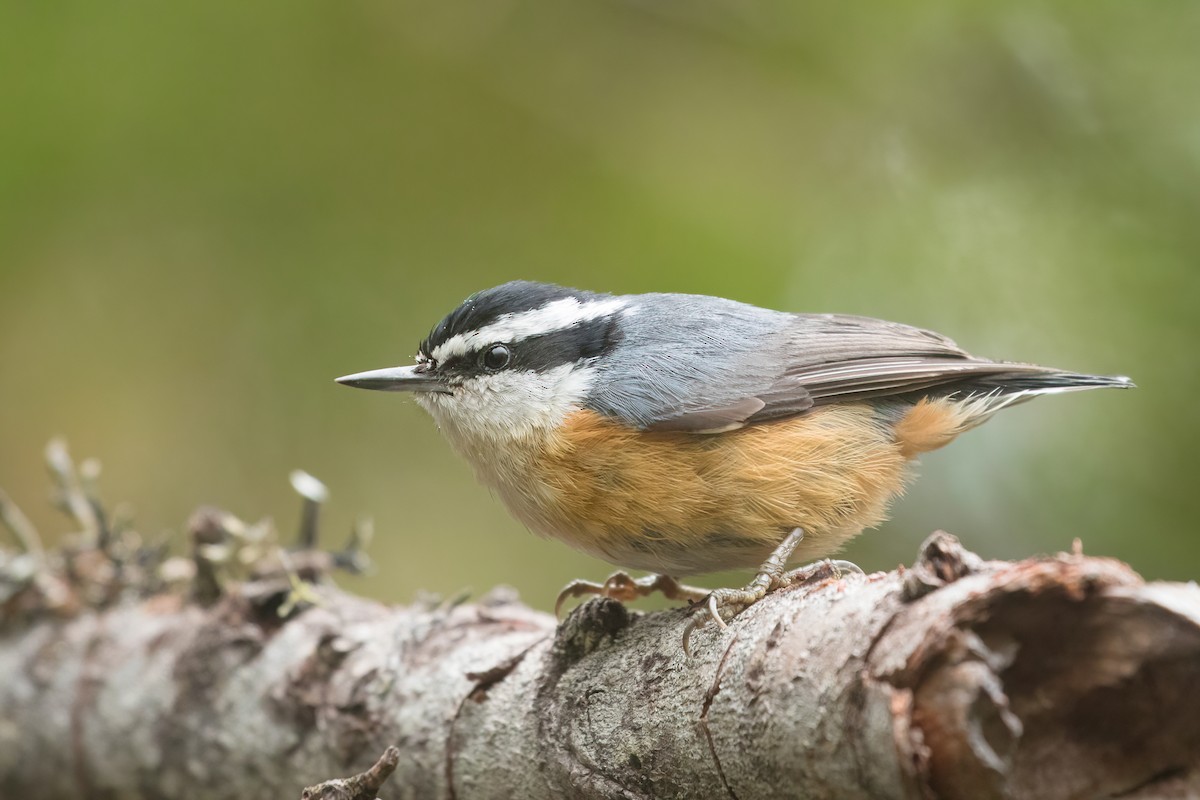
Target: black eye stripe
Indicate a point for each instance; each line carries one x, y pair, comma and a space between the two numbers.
541, 353
569, 345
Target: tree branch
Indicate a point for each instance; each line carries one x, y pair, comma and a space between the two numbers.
1055, 677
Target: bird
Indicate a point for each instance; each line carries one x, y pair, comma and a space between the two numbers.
680, 434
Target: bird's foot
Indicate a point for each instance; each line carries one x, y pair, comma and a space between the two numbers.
821, 571
622, 587
722, 605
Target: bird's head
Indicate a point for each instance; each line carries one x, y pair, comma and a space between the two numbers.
510, 362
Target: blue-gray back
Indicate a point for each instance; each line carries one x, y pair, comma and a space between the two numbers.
701, 364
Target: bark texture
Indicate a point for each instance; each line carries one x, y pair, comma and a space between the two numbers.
1061, 677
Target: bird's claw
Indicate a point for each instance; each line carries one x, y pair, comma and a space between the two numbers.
622, 587
719, 604
579, 588
714, 612
722, 605
821, 570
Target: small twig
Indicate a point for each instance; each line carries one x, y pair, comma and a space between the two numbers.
209, 539
314, 494
70, 496
457, 599
363, 786
22, 529
353, 557
89, 485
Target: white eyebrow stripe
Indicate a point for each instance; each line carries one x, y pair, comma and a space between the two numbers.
555, 316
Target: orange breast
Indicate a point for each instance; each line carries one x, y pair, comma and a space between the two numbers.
684, 503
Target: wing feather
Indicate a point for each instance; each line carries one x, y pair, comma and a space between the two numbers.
828, 358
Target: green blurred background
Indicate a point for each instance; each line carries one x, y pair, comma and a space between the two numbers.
208, 210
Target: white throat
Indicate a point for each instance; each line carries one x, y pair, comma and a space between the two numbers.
488, 412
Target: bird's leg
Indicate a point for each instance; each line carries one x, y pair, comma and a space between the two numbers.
770, 576
723, 604
620, 586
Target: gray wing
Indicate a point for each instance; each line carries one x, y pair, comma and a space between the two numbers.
704, 365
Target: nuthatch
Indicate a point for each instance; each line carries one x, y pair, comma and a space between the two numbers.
682, 434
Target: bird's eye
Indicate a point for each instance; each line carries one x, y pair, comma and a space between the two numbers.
496, 357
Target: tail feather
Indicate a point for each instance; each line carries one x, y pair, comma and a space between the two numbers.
1047, 382
929, 420
979, 399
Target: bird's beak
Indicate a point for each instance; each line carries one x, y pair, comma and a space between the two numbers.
396, 379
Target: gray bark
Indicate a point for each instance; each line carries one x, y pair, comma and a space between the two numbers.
1061, 677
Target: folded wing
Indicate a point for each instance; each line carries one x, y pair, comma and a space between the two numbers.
830, 358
